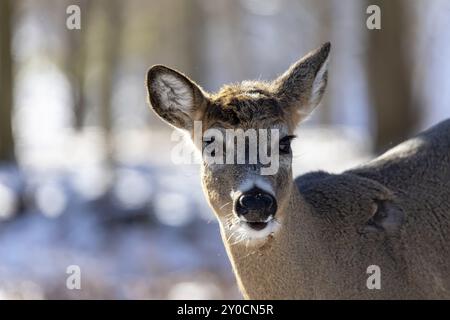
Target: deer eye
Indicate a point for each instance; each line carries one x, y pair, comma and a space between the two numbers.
207, 142
285, 144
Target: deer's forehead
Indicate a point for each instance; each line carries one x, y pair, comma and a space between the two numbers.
243, 111
258, 128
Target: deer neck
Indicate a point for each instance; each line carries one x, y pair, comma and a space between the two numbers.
270, 269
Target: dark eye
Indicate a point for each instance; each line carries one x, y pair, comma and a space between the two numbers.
207, 142
285, 144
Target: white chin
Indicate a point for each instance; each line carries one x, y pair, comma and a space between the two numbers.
252, 234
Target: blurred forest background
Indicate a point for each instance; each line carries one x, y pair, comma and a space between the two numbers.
86, 176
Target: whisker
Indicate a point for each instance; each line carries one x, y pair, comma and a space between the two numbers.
224, 205
249, 254
230, 222
232, 234
241, 238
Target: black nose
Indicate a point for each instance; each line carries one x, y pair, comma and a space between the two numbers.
256, 201
256, 205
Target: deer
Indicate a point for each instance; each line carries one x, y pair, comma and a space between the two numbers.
315, 236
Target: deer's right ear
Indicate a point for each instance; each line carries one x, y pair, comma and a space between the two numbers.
174, 97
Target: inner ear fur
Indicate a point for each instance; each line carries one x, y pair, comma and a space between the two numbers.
301, 87
174, 97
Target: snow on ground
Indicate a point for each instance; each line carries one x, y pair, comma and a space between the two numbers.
143, 232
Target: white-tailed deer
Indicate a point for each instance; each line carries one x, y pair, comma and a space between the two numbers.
316, 236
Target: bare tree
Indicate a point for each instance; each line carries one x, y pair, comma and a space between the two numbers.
193, 23
76, 64
6, 82
389, 75
110, 56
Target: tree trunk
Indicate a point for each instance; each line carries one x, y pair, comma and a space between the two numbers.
110, 53
389, 75
6, 82
76, 65
194, 33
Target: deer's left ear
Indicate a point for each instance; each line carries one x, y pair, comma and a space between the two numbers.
302, 86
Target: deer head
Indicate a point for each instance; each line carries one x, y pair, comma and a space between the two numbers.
243, 199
